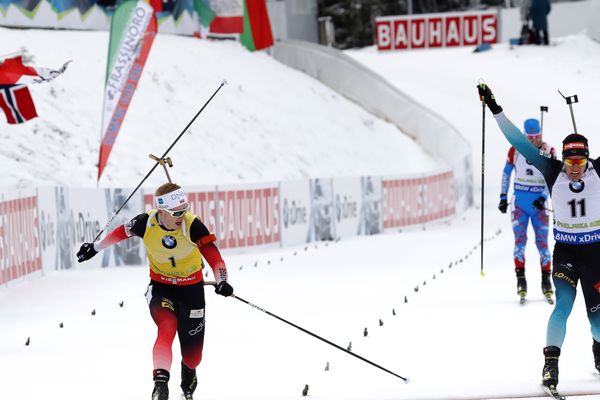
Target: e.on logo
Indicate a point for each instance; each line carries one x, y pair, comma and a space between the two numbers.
436, 30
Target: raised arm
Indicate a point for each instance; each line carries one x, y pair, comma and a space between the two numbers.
546, 165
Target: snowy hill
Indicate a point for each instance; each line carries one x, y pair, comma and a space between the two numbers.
269, 123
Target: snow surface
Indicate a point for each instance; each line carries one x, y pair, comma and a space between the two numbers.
460, 336
269, 123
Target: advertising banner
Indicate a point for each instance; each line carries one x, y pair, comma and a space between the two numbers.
248, 215
402, 201
48, 227
371, 209
130, 251
321, 221
19, 235
436, 30
132, 32
347, 206
203, 203
80, 214
295, 211
438, 197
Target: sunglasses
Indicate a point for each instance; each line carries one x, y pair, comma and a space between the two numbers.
177, 213
579, 162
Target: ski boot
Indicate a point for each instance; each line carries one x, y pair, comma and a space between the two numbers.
596, 351
161, 385
521, 284
550, 371
188, 381
547, 287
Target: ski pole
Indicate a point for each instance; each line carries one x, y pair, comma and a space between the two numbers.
542, 110
161, 158
313, 334
482, 172
570, 100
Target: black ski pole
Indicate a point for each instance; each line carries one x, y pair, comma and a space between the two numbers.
570, 100
314, 335
161, 158
482, 175
542, 110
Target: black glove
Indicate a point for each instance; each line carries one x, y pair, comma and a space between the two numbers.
488, 97
503, 205
224, 289
86, 251
539, 203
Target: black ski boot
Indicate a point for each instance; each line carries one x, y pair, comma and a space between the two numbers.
596, 351
521, 284
550, 371
188, 381
547, 287
161, 385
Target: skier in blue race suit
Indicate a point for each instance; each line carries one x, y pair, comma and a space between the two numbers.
574, 185
529, 203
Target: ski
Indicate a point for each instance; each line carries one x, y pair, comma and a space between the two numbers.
522, 295
552, 392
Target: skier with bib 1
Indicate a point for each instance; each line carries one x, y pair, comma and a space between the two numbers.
175, 241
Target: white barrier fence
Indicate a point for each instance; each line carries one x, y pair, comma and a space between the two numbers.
42, 229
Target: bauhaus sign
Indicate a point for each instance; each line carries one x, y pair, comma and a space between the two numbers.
436, 30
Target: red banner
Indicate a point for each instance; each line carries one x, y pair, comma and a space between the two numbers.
436, 30
19, 238
248, 217
417, 200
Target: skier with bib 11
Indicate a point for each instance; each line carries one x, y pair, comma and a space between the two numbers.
574, 185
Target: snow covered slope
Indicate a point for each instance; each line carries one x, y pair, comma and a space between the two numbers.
269, 123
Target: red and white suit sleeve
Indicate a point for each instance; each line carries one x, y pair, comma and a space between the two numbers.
115, 236
213, 257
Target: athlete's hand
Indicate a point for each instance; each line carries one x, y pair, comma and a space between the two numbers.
503, 205
540, 203
86, 251
486, 95
224, 289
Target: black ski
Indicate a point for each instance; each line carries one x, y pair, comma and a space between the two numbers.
552, 392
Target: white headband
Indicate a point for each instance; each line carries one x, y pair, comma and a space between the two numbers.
171, 200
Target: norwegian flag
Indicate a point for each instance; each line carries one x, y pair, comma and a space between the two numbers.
17, 104
13, 72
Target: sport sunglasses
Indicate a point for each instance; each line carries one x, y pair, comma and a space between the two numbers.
177, 213
579, 162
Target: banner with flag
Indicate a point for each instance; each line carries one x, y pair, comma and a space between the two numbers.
132, 32
17, 104
257, 33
